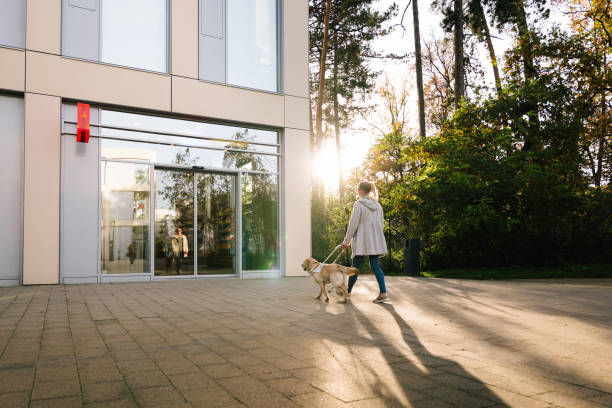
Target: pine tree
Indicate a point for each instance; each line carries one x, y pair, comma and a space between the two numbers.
353, 25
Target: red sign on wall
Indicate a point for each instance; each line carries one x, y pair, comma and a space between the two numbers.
82, 122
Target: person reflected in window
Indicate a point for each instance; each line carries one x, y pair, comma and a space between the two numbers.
180, 249
131, 252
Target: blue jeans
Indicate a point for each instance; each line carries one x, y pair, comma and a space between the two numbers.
374, 265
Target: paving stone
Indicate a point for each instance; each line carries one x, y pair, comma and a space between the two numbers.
113, 404
513, 399
99, 375
244, 360
290, 387
206, 359
55, 389
211, 397
456, 396
565, 400
144, 379
379, 403
132, 366
19, 379
266, 371
340, 387
603, 399
190, 381
15, 399
318, 399
116, 390
253, 393
159, 397
288, 363
56, 373
69, 402
223, 370
178, 366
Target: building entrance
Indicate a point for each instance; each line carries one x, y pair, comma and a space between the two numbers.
195, 223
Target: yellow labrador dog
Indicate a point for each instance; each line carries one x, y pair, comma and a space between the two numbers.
334, 274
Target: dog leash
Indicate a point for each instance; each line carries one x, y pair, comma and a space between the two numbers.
322, 264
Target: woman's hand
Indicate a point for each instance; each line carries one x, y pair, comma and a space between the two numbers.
343, 247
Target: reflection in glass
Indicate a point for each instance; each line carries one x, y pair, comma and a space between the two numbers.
125, 218
134, 33
240, 144
216, 223
252, 44
260, 232
173, 222
187, 156
186, 127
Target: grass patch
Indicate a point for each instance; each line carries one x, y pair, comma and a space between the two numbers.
526, 272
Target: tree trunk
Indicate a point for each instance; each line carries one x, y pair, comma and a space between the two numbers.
524, 40
487, 33
337, 121
531, 139
319, 110
459, 70
338, 148
419, 67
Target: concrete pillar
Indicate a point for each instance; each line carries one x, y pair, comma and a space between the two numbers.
297, 200
44, 26
41, 193
185, 38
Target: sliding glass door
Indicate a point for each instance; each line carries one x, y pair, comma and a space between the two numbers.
216, 223
195, 227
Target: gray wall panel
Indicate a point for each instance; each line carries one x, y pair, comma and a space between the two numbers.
119, 278
80, 189
212, 40
13, 23
81, 29
90, 279
11, 185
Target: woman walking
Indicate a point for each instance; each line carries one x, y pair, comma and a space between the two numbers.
366, 237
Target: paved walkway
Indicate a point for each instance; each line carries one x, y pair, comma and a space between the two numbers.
269, 343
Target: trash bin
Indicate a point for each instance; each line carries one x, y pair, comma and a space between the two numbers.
412, 257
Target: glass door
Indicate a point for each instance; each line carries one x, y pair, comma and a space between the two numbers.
216, 223
174, 220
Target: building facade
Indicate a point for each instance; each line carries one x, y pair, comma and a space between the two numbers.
198, 160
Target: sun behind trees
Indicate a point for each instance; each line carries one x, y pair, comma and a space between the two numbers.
519, 172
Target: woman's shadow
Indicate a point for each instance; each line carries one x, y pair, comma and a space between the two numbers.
424, 378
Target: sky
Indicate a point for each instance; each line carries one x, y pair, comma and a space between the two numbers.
357, 140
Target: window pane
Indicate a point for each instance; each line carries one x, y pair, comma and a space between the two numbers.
174, 217
11, 183
187, 156
260, 240
186, 127
251, 43
187, 141
13, 23
134, 33
125, 218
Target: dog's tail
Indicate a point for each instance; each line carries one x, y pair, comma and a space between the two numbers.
351, 271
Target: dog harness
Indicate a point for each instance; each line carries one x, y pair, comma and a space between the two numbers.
318, 268
322, 264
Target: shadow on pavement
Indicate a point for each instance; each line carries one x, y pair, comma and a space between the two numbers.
406, 373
